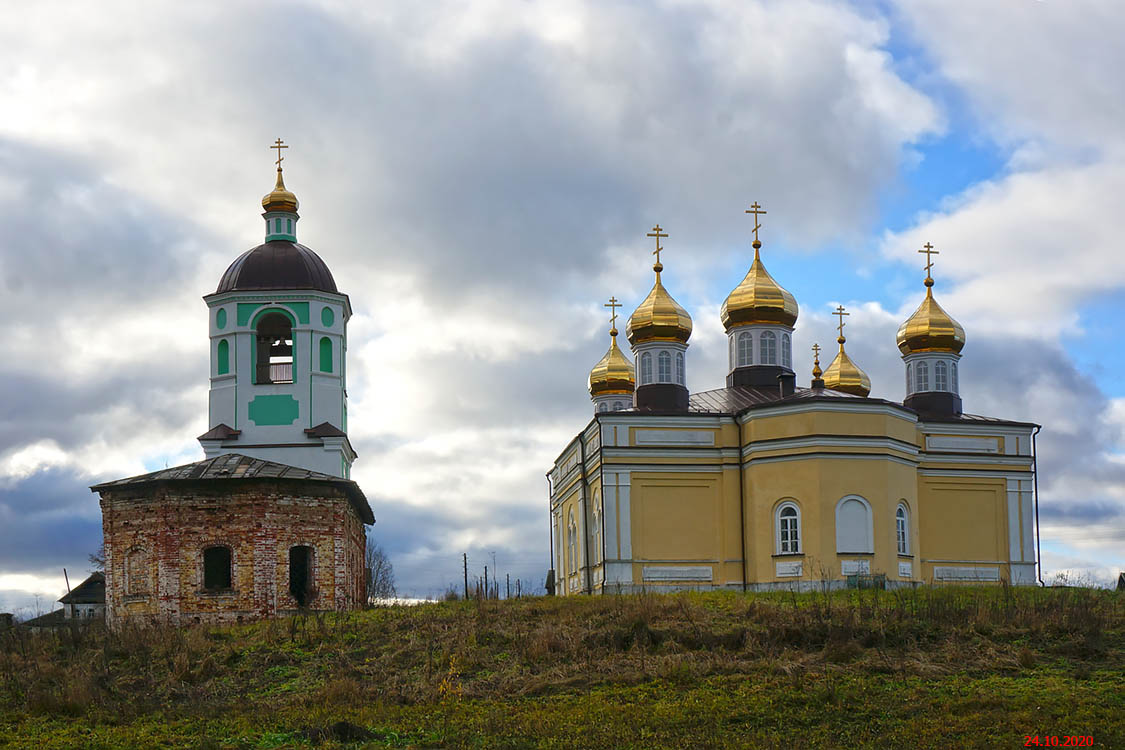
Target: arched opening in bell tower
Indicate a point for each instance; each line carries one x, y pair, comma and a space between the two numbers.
275, 349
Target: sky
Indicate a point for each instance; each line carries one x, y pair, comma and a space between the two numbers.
480, 177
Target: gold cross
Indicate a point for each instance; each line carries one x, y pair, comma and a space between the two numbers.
816, 353
756, 210
278, 144
840, 314
928, 250
657, 233
613, 304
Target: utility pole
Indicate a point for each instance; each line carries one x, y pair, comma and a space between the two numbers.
518, 588
485, 581
507, 585
465, 562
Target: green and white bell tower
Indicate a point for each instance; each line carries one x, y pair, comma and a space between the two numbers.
278, 330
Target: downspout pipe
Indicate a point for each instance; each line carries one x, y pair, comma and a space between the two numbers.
601, 473
1035, 486
551, 530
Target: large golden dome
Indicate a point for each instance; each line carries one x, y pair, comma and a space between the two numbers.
930, 328
845, 375
758, 299
280, 198
658, 317
614, 372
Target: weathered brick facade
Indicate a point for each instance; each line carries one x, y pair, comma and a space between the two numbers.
157, 528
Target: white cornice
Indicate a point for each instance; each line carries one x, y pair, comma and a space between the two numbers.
830, 442
846, 408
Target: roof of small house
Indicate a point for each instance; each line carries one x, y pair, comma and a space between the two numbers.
235, 467
90, 591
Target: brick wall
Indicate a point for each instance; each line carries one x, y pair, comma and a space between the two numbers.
166, 527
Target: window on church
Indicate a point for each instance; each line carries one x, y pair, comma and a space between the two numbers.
745, 349
680, 368
646, 368
597, 534
941, 376
618, 405
909, 380
603, 407
664, 367
922, 377
953, 368
853, 525
277, 225
786, 351
733, 360
222, 355
289, 226
217, 568
572, 545
136, 575
275, 349
901, 535
300, 574
325, 354
767, 348
788, 529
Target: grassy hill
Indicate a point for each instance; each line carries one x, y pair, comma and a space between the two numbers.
945, 667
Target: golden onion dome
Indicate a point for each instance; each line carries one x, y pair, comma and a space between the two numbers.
845, 375
758, 299
614, 372
280, 198
658, 317
930, 328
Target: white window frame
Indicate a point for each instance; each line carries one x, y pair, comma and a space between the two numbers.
953, 377
664, 367
779, 543
680, 368
922, 378
902, 529
909, 378
869, 530
767, 348
786, 351
646, 368
745, 349
941, 375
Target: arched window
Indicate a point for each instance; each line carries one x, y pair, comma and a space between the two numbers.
301, 573
596, 531
788, 529
786, 351
325, 354
136, 572
909, 379
664, 368
275, 349
902, 535
767, 348
745, 349
922, 379
222, 355
646, 368
217, 568
603, 406
572, 544
956, 388
289, 226
730, 341
853, 525
680, 368
941, 376
618, 405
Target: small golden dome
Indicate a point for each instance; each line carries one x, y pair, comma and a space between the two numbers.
844, 375
280, 199
930, 328
758, 299
659, 317
614, 372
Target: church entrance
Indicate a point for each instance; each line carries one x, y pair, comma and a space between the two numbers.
300, 574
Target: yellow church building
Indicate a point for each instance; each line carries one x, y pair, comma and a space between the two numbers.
763, 484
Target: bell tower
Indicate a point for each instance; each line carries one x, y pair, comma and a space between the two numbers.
278, 331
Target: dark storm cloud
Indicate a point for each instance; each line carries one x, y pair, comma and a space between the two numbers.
47, 521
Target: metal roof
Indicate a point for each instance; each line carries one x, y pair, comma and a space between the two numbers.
90, 591
278, 264
231, 466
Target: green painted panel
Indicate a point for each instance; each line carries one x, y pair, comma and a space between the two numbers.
246, 310
273, 410
327, 317
302, 310
325, 354
221, 318
224, 357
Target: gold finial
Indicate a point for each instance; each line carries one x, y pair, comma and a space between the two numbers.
839, 313
613, 304
816, 371
657, 233
279, 144
928, 250
757, 211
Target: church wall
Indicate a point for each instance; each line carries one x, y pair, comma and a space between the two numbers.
793, 422
171, 526
963, 522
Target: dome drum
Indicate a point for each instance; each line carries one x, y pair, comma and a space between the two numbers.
764, 376
661, 397
934, 404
